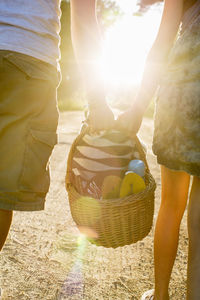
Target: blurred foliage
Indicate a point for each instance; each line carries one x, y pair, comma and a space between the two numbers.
148, 2
144, 6
107, 12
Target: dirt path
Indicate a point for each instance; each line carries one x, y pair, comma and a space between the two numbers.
44, 258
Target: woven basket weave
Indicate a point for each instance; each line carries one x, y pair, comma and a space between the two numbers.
114, 222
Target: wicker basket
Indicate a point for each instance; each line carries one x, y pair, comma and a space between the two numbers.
113, 222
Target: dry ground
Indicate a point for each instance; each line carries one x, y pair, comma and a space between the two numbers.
42, 260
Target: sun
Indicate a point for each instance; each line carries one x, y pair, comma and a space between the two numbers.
126, 46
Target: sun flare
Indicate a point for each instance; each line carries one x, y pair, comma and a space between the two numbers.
126, 46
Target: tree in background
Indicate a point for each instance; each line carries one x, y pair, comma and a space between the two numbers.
145, 4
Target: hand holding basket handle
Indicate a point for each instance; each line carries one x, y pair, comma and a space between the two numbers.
100, 117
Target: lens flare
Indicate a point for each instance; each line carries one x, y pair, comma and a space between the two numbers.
91, 208
74, 283
88, 232
126, 46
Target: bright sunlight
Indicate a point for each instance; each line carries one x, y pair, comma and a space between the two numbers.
127, 43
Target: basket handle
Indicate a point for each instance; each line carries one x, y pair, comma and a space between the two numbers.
85, 130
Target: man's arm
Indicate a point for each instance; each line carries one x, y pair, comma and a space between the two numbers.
86, 41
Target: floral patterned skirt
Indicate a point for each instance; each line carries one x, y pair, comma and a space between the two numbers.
176, 141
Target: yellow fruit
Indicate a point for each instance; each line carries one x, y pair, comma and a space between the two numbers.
132, 183
111, 187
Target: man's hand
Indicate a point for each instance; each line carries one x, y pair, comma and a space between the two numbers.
130, 121
100, 117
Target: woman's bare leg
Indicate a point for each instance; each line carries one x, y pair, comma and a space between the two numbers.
193, 282
174, 196
5, 222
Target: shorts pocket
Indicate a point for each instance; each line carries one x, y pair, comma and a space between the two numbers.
35, 170
33, 68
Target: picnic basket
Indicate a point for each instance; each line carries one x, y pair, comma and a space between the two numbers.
112, 223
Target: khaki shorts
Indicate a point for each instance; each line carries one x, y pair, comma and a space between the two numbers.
28, 123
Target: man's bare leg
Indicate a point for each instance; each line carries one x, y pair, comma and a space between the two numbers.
175, 187
5, 222
193, 286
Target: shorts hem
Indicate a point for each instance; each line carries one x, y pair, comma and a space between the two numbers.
22, 201
190, 168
